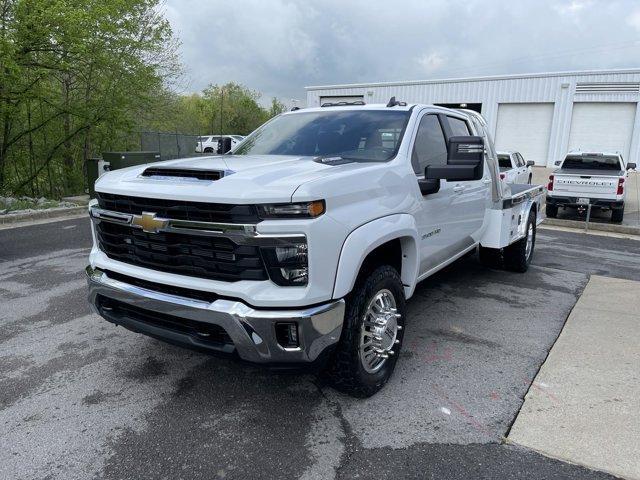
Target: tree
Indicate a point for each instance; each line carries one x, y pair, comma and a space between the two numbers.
74, 77
277, 107
83, 77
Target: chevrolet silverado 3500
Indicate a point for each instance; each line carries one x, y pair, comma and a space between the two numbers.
303, 244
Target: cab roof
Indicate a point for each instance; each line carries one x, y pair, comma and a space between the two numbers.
376, 106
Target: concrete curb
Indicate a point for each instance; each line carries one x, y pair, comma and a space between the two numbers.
603, 227
40, 214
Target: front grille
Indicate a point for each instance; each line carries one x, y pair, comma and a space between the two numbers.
215, 258
203, 331
178, 210
163, 288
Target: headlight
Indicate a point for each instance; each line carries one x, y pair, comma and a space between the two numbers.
287, 265
292, 210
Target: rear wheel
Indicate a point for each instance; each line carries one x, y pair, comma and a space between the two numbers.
617, 214
517, 256
372, 334
208, 150
490, 257
551, 211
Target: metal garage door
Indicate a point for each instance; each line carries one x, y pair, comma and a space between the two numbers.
525, 128
342, 98
602, 126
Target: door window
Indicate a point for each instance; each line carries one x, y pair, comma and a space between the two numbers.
430, 147
459, 128
520, 160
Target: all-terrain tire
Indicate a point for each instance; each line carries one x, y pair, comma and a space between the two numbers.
551, 211
490, 257
517, 256
617, 214
345, 370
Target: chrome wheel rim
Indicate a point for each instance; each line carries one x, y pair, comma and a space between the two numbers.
529, 246
379, 332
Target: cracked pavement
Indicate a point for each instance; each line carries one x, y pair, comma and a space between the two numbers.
81, 398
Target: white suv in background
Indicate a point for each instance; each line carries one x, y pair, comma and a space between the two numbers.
513, 168
209, 143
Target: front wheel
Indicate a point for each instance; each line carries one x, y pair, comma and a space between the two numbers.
372, 334
517, 256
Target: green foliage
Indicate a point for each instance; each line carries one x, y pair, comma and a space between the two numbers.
74, 76
81, 77
220, 109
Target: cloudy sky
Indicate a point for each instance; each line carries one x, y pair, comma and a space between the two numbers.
280, 46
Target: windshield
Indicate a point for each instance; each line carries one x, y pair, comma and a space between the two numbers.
592, 162
504, 161
367, 135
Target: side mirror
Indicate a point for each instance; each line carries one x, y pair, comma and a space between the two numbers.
530, 163
631, 166
465, 161
557, 163
224, 145
429, 185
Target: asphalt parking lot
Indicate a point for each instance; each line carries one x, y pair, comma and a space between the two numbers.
80, 398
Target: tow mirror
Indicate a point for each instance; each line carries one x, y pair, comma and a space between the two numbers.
631, 166
224, 145
465, 161
530, 163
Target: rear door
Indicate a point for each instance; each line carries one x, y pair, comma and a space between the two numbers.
472, 197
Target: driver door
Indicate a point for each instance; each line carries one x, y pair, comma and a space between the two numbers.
436, 218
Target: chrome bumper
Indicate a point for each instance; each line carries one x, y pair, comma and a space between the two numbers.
252, 331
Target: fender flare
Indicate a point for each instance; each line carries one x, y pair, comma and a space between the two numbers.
366, 238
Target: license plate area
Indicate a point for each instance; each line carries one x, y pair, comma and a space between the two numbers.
583, 201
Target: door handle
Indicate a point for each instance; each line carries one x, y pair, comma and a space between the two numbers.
458, 188
486, 180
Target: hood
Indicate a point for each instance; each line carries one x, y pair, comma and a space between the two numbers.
246, 178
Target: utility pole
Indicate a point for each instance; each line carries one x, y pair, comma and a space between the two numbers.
221, 101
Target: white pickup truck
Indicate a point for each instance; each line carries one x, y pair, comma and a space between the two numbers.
514, 168
301, 247
587, 178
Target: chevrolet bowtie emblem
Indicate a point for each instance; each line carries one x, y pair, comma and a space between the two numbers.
149, 222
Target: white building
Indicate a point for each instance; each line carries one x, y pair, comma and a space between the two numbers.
540, 115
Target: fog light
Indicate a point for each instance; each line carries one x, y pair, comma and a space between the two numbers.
287, 334
288, 264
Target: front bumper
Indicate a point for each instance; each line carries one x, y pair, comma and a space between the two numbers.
594, 202
252, 332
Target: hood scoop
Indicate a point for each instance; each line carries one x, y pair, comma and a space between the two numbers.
332, 160
192, 174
